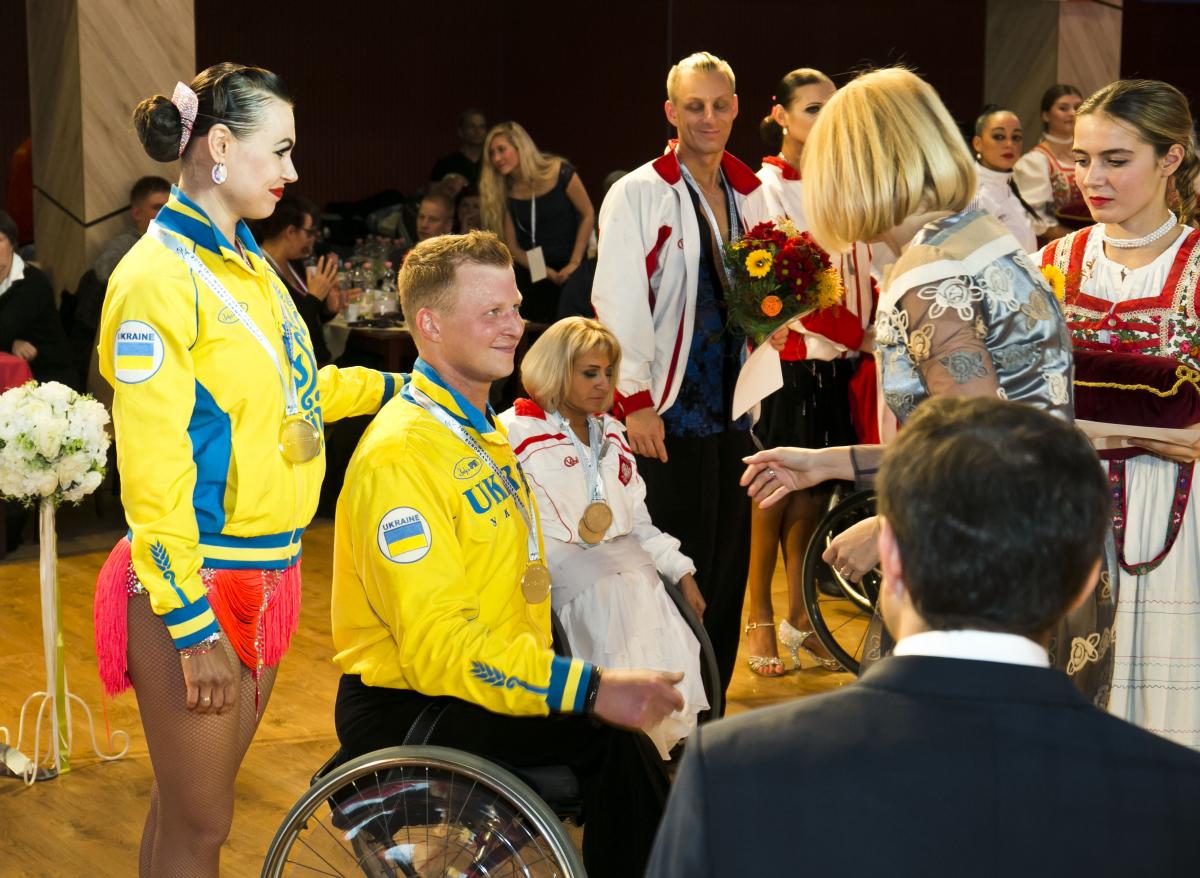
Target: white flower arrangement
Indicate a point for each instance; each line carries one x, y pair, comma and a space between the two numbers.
53, 443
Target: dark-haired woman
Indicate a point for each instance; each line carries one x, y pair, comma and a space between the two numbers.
1133, 284
813, 408
218, 407
1046, 174
997, 144
286, 237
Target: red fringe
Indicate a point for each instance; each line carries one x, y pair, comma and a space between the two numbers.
235, 597
110, 620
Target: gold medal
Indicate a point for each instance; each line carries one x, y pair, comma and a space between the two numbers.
597, 518
535, 582
588, 535
299, 441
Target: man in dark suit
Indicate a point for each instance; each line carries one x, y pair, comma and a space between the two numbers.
963, 753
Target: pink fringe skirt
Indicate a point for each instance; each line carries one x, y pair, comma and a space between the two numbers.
258, 610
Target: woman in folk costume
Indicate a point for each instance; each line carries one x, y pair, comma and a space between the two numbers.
219, 412
1045, 175
1133, 284
604, 553
828, 394
964, 311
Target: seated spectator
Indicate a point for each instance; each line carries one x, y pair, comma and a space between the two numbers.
604, 553
467, 211
440, 596
287, 237
146, 198
466, 160
435, 216
30, 327
964, 752
538, 205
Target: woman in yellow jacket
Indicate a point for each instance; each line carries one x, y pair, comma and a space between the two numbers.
219, 412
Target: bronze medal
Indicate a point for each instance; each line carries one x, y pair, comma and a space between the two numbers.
597, 518
535, 582
299, 441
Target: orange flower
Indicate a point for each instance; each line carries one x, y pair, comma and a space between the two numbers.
771, 305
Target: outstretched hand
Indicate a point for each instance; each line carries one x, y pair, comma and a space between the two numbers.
637, 699
774, 473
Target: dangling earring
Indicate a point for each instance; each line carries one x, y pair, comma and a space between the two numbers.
220, 173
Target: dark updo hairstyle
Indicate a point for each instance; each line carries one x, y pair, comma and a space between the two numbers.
986, 113
230, 94
1056, 91
785, 93
1160, 115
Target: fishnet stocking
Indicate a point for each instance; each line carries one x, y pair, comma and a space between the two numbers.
195, 756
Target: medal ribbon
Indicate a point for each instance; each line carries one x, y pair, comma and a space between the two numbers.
412, 394
735, 220
290, 397
591, 464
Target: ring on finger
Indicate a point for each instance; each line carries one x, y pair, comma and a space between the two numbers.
206, 700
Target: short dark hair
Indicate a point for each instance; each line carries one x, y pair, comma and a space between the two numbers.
999, 511
147, 186
8, 228
290, 211
1053, 93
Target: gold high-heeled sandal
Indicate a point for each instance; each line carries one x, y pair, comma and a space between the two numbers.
793, 638
764, 665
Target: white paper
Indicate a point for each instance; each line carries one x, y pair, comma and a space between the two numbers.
537, 264
761, 376
1106, 437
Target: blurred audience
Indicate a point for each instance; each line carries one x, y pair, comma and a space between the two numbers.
435, 216
466, 160
467, 210
287, 237
30, 327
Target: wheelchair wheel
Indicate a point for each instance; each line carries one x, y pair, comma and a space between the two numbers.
421, 811
710, 674
840, 610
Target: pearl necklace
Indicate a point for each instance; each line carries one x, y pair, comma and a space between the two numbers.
1134, 243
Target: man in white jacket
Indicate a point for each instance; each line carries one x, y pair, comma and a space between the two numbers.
660, 287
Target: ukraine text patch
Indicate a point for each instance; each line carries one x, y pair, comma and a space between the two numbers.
137, 352
404, 535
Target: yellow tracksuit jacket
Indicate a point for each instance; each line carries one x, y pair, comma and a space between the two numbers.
197, 409
428, 555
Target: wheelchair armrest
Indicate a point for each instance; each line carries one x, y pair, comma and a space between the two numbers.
708, 658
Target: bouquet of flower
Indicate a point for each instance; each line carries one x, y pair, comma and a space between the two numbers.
777, 274
53, 445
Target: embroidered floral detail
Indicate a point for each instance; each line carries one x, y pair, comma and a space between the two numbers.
1105, 586
1088, 649
953, 294
964, 365
1017, 356
1002, 393
891, 326
997, 285
901, 404
1059, 389
920, 343
981, 330
1038, 308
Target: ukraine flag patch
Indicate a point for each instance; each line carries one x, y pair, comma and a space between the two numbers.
403, 535
137, 352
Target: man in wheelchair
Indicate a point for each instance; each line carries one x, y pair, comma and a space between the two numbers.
440, 605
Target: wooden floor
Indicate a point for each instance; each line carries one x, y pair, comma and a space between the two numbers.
89, 821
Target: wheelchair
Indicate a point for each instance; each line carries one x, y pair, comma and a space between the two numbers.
840, 610
421, 810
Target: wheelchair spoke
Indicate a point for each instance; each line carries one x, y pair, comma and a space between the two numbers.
336, 838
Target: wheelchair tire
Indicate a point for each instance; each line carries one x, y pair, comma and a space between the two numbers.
839, 610
500, 826
710, 673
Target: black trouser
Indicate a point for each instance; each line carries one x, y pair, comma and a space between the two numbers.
623, 795
695, 497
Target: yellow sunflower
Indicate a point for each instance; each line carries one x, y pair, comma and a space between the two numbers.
829, 288
1058, 283
758, 263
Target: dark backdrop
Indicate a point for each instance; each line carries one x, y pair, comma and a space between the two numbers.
378, 83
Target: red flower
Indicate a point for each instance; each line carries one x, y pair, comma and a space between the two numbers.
798, 263
766, 233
